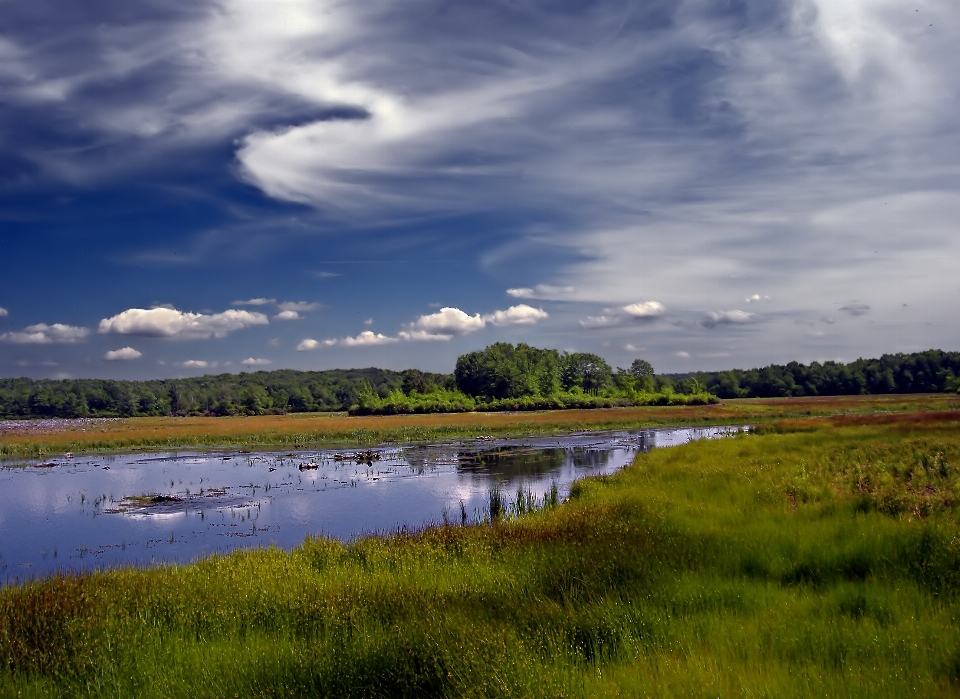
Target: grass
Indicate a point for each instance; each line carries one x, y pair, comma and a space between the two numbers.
326, 429
818, 558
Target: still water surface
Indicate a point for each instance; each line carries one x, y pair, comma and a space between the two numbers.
143, 509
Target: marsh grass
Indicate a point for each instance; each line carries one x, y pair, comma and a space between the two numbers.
325, 429
748, 566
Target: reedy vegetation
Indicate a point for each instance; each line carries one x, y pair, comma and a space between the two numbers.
333, 430
771, 564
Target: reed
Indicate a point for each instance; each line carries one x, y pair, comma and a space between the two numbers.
326, 429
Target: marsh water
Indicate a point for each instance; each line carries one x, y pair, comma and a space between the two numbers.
145, 508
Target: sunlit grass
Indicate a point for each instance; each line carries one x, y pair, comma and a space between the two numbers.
320, 429
759, 565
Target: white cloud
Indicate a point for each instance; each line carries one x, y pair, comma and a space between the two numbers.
422, 336
541, 291
309, 344
601, 321
122, 353
197, 364
300, 306
287, 315
447, 322
647, 309
255, 302
755, 298
169, 322
682, 355
521, 314
855, 308
254, 361
366, 338
734, 317
4, 312
43, 334
368, 321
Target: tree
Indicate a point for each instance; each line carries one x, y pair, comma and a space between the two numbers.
584, 370
641, 369
504, 371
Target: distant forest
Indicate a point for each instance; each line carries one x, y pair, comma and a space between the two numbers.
259, 393
932, 371
287, 391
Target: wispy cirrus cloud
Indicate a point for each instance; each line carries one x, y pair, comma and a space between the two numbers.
255, 302
298, 306
632, 312
855, 308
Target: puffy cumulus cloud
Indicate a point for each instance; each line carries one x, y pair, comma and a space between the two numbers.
521, 314
756, 298
169, 322
448, 322
3, 312
366, 338
309, 344
256, 361
298, 306
541, 291
255, 302
287, 315
645, 310
855, 308
197, 364
43, 334
124, 353
734, 317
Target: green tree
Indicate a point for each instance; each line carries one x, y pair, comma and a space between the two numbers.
584, 370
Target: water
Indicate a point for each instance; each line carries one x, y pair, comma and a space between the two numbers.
88, 513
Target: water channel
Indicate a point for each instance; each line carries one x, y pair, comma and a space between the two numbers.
145, 508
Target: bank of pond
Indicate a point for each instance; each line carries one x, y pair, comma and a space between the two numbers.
811, 558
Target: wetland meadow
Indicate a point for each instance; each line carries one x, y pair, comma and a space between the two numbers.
816, 555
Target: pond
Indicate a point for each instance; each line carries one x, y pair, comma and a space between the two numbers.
146, 508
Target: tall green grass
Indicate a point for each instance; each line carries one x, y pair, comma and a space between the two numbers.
756, 566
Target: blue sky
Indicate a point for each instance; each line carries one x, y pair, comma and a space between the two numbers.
197, 187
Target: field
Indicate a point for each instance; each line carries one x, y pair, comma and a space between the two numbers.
818, 557
327, 429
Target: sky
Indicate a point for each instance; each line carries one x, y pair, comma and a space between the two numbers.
195, 187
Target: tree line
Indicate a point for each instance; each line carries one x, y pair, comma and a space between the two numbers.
502, 376
933, 371
258, 393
